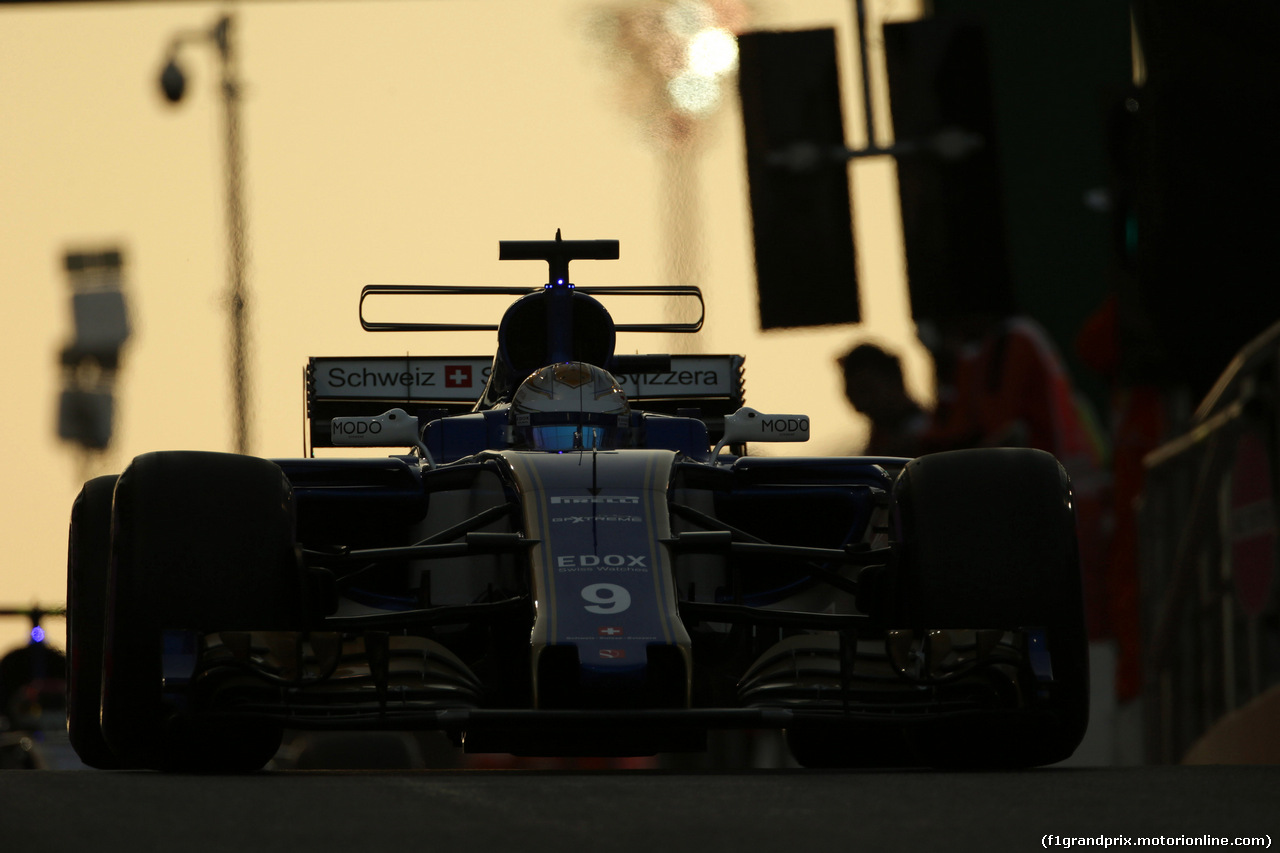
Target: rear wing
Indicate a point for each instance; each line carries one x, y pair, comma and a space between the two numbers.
428, 387
377, 293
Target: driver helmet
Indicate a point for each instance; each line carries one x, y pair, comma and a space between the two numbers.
570, 406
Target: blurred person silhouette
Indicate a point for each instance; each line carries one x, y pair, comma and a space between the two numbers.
1117, 343
874, 385
1011, 388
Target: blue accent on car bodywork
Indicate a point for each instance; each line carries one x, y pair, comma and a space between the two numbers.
460, 436
602, 576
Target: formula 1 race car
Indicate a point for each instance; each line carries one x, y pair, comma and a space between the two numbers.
577, 556
33, 695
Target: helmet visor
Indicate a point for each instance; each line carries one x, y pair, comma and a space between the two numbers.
567, 437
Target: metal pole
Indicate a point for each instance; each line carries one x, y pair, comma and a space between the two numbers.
860, 8
237, 291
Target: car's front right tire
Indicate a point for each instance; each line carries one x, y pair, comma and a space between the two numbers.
200, 542
88, 557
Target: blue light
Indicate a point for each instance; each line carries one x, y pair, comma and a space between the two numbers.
37, 634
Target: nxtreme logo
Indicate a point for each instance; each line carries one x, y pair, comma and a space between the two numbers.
595, 499
583, 519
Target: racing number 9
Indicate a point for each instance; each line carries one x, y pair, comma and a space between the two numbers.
606, 598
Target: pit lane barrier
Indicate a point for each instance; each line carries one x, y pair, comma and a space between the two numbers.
1208, 572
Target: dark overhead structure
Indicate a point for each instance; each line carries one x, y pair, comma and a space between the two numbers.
1019, 223
799, 184
953, 218
1206, 180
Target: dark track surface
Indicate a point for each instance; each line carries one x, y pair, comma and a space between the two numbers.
619, 811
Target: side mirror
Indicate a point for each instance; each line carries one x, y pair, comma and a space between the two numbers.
393, 428
749, 425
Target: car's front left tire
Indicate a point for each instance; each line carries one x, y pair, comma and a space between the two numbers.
986, 539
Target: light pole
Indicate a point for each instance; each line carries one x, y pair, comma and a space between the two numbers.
684, 53
173, 84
